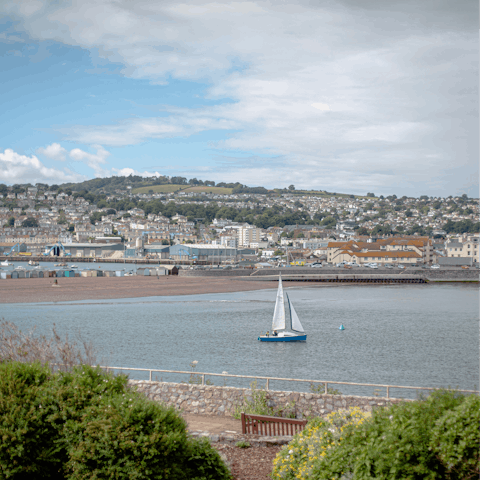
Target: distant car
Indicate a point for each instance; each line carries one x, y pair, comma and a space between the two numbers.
401, 266
316, 265
435, 266
466, 267
339, 264
388, 265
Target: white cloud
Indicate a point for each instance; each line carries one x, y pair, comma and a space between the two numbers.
17, 168
321, 106
125, 172
93, 160
54, 151
401, 95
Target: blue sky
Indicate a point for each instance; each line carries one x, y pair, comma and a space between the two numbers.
345, 96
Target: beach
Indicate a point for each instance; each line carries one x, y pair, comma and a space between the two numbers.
34, 290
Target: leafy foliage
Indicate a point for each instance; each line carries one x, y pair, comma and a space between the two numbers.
399, 442
87, 424
299, 457
456, 439
257, 404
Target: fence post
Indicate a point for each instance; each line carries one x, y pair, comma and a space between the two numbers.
203, 379
150, 376
326, 388
388, 392
267, 385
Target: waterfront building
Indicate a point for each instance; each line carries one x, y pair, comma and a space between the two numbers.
464, 246
203, 252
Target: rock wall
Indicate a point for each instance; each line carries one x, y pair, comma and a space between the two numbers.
214, 400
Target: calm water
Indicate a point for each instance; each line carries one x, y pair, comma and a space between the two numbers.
419, 335
128, 267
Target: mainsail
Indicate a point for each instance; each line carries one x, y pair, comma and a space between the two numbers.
278, 322
296, 325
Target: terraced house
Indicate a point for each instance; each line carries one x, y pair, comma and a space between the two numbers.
465, 246
409, 251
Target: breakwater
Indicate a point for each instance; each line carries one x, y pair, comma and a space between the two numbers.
215, 400
341, 275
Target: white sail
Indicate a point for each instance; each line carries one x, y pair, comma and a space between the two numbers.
278, 322
296, 325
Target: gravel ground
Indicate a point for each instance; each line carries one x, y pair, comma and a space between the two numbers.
213, 424
248, 463
33, 290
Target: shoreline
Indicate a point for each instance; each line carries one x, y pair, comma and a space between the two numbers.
43, 290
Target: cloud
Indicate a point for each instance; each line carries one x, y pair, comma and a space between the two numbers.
93, 160
125, 172
394, 85
321, 106
53, 151
17, 168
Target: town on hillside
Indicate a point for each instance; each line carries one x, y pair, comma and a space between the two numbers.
206, 223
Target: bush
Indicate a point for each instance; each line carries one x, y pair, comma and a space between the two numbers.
258, 405
299, 457
396, 443
456, 439
87, 424
27, 447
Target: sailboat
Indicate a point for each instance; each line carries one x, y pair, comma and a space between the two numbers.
289, 330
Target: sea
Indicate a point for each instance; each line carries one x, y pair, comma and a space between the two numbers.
405, 335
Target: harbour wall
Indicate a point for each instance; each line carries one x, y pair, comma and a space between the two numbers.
354, 274
215, 400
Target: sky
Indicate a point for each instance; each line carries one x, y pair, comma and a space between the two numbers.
350, 96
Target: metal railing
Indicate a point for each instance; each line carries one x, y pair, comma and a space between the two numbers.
202, 375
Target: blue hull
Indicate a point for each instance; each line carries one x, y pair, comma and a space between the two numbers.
298, 338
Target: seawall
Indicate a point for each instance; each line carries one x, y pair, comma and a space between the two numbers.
215, 400
357, 274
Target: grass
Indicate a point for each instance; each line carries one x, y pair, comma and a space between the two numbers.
168, 188
218, 190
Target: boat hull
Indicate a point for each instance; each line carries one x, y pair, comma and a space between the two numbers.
296, 338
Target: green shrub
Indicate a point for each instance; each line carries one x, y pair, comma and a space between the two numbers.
87, 424
242, 444
28, 441
299, 457
126, 436
258, 405
203, 462
456, 439
394, 444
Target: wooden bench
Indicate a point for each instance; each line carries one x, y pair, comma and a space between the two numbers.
271, 426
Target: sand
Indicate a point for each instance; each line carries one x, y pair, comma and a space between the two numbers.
34, 290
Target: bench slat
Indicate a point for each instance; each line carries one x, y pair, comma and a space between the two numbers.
271, 426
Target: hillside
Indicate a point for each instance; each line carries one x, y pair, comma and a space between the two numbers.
187, 189
140, 184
